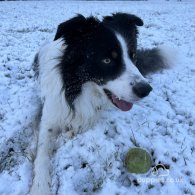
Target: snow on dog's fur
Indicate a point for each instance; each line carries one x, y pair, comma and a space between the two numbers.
89, 66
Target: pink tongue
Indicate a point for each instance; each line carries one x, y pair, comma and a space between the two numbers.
123, 105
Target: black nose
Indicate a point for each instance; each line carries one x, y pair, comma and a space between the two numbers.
142, 89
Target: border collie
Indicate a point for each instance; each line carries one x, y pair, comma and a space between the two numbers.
90, 65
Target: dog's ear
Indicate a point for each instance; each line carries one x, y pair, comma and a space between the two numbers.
123, 18
76, 27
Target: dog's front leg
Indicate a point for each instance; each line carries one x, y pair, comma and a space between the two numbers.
42, 179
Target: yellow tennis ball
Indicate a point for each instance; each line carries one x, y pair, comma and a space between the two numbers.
138, 160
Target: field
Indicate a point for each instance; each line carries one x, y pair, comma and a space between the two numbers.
92, 163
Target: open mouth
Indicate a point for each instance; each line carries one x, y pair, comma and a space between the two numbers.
121, 104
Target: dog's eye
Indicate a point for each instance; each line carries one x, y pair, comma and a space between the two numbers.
106, 61
132, 55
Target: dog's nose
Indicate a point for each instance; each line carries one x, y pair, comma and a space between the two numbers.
142, 89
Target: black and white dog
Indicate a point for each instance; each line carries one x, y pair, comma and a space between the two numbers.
89, 66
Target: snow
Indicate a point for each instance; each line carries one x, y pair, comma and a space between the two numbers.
162, 123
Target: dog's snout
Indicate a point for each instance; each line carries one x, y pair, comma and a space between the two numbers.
142, 89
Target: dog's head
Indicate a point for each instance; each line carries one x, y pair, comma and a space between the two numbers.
102, 53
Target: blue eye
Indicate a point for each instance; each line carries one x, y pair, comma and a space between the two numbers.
106, 61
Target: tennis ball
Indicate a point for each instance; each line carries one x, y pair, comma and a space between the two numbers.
138, 160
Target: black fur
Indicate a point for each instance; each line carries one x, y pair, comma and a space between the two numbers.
146, 60
35, 65
126, 25
150, 61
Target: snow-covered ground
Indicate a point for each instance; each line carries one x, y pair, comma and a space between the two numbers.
163, 124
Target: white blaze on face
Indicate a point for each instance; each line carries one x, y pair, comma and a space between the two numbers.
122, 86
134, 72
